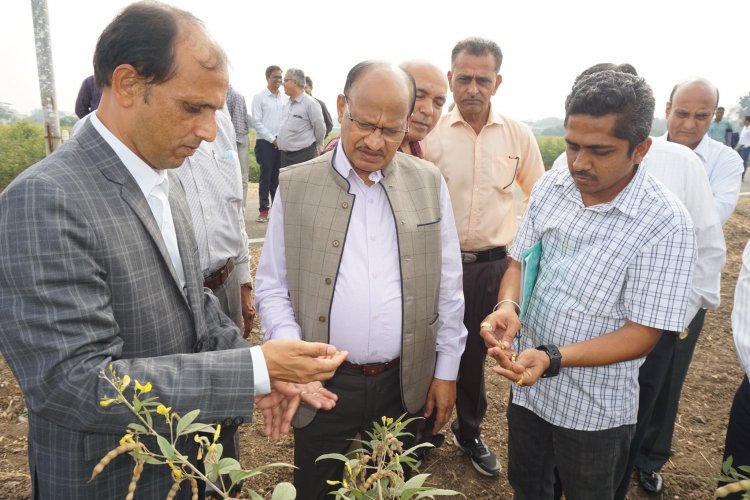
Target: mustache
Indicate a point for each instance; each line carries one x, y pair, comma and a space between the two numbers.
585, 175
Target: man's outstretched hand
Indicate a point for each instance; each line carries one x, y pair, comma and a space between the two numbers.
301, 362
279, 406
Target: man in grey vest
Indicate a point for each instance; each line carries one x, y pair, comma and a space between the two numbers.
362, 250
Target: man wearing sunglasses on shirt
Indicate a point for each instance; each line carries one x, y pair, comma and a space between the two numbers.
481, 153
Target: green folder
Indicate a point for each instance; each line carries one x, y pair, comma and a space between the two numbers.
530, 259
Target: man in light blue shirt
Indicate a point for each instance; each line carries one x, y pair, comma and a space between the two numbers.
267, 108
302, 125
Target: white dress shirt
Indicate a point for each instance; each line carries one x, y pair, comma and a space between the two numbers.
267, 110
366, 317
724, 168
744, 140
741, 312
680, 170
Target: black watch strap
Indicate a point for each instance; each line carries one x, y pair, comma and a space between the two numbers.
555, 359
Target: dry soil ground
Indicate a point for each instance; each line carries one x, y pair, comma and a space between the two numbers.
698, 441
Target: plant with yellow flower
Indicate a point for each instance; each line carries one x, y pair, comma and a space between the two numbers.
144, 407
376, 470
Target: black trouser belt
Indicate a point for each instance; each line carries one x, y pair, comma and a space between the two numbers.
485, 255
371, 369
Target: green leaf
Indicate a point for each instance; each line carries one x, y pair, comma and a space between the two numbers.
186, 420
254, 495
166, 447
332, 456
438, 492
137, 428
136, 405
198, 427
284, 491
416, 481
228, 464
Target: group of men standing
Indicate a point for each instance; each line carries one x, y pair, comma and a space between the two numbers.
410, 267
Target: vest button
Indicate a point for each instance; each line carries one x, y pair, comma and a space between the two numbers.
336, 243
328, 281
345, 204
322, 319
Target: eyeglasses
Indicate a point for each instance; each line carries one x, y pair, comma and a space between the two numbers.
388, 133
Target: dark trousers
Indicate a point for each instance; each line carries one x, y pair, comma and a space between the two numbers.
590, 463
302, 155
657, 439
481, 284
269, 159
737, 444
651, 379
362, 401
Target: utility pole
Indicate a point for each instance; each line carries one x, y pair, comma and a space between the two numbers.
46, 75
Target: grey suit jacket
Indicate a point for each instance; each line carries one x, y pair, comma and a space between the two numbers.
85, 282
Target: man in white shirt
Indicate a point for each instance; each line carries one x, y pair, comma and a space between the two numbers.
743, 144
267, 108
689, 112
302, 125
737, 444
362, 250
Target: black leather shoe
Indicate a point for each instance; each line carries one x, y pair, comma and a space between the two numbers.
483, 460
649, 480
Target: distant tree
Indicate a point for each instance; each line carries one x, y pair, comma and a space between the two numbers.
7, 115
36, 116
21, 145
68, 121
744, 106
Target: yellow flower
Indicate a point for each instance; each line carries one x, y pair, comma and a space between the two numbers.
126, 439
382, 419
332, 483
143, 389
388, 421
163, 410
217, 432
106, 402
124, 382
176, 473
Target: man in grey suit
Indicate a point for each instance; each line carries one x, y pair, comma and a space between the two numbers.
99, 267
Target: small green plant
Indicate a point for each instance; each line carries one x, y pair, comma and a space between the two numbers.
737, 482
147, 408
376, 470
550, 147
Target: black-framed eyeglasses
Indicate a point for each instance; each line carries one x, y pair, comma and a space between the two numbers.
388, 133
515, 170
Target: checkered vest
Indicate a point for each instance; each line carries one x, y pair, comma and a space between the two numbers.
317, 209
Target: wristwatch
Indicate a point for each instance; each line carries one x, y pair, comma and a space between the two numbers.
555, 358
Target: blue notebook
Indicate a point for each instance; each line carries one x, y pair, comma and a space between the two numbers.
530, 259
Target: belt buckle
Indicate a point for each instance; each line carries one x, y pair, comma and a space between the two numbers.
468, 258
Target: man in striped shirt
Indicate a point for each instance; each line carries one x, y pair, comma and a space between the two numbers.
616, 266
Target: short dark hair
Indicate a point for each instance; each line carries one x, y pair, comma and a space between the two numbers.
596, 68
720, 108
144, 35
478, 47
308, 81
360, 68
270, 70
613, 92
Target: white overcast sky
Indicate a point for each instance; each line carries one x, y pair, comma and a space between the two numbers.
545, 43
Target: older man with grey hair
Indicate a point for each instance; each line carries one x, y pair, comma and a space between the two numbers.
302, 125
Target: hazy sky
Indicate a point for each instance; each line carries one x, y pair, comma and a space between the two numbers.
545, 43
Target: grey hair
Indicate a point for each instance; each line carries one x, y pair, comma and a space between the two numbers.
298, 76
476, 46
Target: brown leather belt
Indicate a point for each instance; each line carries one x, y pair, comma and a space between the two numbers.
217, 278
485, 255
371, 369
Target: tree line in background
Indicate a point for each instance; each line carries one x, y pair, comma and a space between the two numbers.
22, 138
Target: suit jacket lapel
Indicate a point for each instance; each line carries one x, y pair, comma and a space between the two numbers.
114, 170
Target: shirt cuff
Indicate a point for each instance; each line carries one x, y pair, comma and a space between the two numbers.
262, 380
446, 367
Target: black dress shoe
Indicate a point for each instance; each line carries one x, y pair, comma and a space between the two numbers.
649, 480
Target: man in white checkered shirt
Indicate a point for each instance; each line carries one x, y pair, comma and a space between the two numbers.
616, 267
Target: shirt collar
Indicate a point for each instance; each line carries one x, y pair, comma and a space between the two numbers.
146, 177
627, 201
701, 149
344, 167
494, 117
